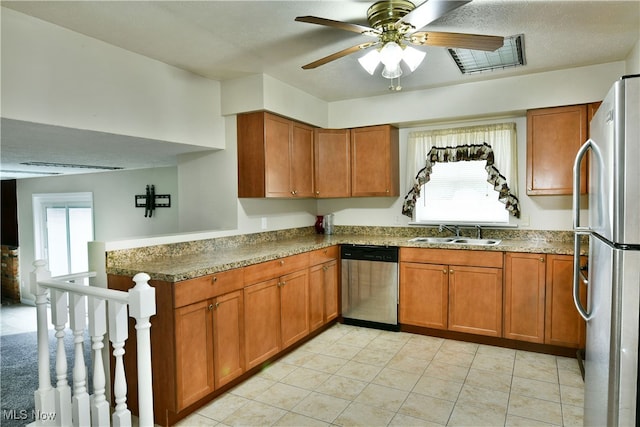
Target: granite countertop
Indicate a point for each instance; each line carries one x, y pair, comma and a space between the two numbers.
182, 267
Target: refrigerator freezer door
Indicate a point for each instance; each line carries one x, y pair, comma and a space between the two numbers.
611, 360
614, 180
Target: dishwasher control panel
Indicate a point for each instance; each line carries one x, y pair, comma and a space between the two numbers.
370, 253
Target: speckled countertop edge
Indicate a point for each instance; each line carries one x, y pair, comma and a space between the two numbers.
188, 266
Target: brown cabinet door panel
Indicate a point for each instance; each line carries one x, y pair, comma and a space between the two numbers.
475, 300
194, 353
316, 297
228, 337
554, 136
294, 307
277, 157
424, 295
332, 162
524, 296
301, 161
564, 326
374, 161
331, 307
261, 322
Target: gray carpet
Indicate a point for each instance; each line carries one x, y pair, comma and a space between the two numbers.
19, 374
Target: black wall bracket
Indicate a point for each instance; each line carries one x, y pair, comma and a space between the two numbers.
150, 201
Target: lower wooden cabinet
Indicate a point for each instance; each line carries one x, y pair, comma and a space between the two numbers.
539, 300
456, 290
261, 321
475, 300
294, 307
524, 296
563, 324
323, 294
424, 295
228, 337
194, 352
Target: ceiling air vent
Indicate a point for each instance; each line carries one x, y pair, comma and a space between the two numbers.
70, 165
511, 54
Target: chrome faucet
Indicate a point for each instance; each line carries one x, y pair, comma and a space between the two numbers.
478, 232
454, 229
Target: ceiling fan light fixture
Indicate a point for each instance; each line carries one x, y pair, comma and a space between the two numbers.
413, 57
391, 55
370, 61
392, 72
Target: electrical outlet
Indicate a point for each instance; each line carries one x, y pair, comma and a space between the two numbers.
264, 223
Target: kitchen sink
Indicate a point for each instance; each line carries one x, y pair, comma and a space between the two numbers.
456, 241
433, 239
482, 242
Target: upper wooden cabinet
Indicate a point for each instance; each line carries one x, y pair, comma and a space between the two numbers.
375, 161
554, 136
275, 156
332, 163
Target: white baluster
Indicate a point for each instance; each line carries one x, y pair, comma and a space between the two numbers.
59, 307
44, 396
97, 330
118, 333
142, 302
80, 400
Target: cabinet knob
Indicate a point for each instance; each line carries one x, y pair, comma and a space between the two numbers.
444, 271
541, 259
451, 271
210, 307
293, 192
317, 193
281, 262
214, 279
325, 268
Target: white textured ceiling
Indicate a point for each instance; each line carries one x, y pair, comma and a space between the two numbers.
230, 39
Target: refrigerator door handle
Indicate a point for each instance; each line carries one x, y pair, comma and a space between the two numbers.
577, 276
578, 230
576, 184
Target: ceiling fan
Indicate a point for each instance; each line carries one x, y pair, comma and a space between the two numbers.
395, 25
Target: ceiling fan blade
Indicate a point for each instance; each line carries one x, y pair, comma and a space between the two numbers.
428, 12
360, 29
338, 55
457, 40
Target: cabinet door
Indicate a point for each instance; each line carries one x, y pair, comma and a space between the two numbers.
194, 352
261, 322
331, 308
374, 161
294, 307
228, 337
424, 294
301, 166
563, 324
277, 132
524, 295
554, 136
475, 300
332, 163
316, 297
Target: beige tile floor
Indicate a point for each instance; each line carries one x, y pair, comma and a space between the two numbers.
352, 376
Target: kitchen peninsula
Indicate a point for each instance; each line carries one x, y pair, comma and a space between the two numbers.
228, 306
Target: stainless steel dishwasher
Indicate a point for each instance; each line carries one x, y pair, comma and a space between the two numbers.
370, 286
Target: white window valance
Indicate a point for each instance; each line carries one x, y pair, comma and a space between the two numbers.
501, 137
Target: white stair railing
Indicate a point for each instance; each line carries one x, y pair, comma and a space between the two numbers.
61, 405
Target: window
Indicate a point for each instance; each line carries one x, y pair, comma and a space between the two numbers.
63, 226
462, 175
459, 192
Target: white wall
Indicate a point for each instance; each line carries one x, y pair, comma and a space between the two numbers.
633, 60
114, 211
55, 76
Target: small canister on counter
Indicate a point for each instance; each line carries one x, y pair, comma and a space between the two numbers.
328, 224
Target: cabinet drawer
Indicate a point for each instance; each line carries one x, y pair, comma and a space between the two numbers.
320, 256
275, 268
201, 288
452, 257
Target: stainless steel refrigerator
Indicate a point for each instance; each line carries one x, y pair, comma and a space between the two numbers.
613, 278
